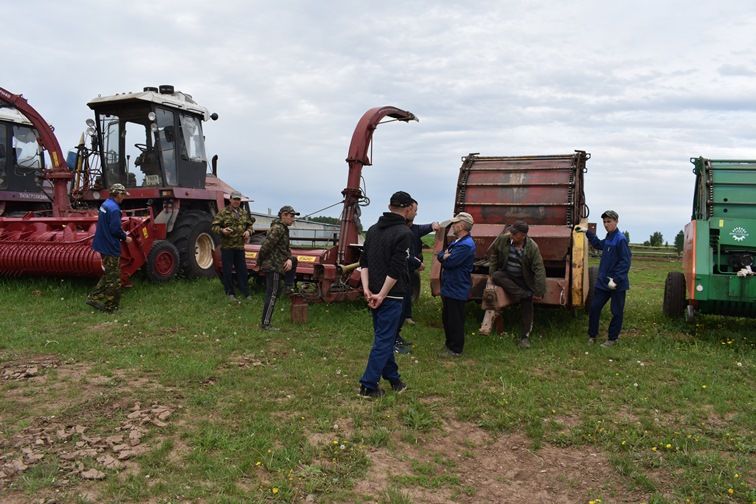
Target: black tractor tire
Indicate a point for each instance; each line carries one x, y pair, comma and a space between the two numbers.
193, 237
592, 276
163, 261
674, 294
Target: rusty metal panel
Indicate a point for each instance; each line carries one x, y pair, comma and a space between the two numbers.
545, 190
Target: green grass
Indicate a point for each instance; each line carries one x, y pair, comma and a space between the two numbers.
274, 417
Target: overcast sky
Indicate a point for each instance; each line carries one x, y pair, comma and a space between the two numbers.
643, 86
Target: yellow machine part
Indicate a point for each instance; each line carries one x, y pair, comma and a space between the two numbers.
579, 278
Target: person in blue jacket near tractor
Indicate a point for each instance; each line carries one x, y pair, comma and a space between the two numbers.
612, 280
109, 235
456, 266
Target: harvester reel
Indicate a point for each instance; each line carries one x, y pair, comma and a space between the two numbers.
195, 241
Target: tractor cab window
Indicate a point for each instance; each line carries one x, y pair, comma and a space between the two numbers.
166, 141
192, 165
111, 148
26, 160
193, 146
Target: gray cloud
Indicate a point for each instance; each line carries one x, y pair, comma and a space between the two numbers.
643, 86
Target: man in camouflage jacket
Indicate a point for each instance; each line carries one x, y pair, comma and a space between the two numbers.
234, 225
275, 260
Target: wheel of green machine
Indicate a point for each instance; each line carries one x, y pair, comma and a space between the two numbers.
674, 294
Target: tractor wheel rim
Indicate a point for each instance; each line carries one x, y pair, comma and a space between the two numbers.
165, 264
203, 251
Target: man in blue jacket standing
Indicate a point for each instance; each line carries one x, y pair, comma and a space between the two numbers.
456, 267
109, 234
385, 281
612, 281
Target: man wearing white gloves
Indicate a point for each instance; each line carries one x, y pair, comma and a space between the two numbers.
612, 281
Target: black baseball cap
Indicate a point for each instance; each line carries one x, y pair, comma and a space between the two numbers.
401, 199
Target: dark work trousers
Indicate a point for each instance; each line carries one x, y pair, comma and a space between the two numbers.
414, 284
381, 362
233, 259
600, 297
453, 317
273, 288
519, 292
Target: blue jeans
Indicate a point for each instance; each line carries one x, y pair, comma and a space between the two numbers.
600, 297
381, 362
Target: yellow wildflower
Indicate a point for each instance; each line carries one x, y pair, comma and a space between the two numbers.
274, 490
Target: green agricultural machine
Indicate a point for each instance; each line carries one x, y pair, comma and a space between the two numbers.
720, 244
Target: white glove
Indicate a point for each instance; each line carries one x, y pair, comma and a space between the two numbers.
612, 284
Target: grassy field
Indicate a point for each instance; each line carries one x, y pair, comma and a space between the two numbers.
179, 397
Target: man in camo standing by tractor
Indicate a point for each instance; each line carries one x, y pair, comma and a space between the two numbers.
234, 225
276, 261
106, 296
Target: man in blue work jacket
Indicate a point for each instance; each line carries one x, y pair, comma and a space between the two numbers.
106, 296
612, 281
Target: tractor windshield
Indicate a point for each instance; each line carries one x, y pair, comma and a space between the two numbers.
149, 145
20, 158
193, 145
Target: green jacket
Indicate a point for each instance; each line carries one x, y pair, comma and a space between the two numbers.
238, 220
533, 271
275, 250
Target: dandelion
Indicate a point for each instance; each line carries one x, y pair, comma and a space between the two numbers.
274, 490
703, 386
258, 463
730, 491
737, 475
668, 446
653, 449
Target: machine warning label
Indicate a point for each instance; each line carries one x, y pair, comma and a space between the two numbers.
739, 233
306, 259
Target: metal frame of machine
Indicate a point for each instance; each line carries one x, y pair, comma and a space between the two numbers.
720, 244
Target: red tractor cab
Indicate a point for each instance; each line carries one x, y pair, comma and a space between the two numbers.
152, 142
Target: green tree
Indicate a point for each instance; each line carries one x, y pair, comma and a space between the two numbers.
679, 242
332, 220
325, 219
656, 239
627, 235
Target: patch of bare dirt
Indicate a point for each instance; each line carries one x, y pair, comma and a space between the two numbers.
499, 469
69, 440
341, 429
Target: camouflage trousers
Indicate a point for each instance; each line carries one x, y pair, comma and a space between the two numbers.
106, 295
